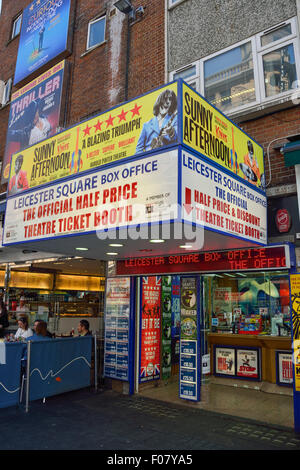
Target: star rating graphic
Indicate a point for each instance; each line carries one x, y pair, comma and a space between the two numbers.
110, 121
98, 126
122, 117
87, 130
136, 110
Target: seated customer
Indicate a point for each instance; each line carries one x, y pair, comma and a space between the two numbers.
23, 331
40, 332
84, 328
49, 334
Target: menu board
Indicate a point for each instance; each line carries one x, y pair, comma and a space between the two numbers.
117, 328
150, 328
189, 365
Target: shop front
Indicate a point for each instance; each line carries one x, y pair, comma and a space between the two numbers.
214, 314
192, 288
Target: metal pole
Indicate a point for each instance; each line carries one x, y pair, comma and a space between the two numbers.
96, 363
28, 375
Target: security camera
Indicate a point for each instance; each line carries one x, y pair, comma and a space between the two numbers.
140, 11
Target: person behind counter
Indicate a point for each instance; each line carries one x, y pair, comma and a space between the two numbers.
23, 331
84, 328
22, 308
3, 318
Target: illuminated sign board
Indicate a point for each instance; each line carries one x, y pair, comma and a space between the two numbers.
273, 257
34, 115
43, 37
105, 199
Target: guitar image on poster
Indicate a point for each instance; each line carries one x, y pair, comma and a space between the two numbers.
76, 162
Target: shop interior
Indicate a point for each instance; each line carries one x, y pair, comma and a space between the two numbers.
60, 291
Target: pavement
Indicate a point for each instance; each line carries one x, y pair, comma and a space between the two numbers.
109, 421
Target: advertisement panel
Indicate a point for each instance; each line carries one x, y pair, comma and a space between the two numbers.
98, 201
207, 131
284, 368
247, 363
189, 364
150, 328
295, 307
34, 115
122, 132
43, 36
117, 328
224, 361
217, 201
166, 337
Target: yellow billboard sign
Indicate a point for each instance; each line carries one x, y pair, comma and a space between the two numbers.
207, 131
295, 305
146, 123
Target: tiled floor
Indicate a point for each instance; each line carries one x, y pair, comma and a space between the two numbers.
260, 402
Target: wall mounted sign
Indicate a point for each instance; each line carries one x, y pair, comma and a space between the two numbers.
283, 220
43, 37
97, 201
252, 259
34, 115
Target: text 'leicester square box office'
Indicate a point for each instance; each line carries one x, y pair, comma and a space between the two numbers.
167, 156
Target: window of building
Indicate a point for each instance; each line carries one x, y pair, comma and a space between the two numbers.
5, 92
249, 303
16, 26
96, 32
0, 6
255, 71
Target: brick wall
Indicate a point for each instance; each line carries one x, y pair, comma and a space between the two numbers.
97, 78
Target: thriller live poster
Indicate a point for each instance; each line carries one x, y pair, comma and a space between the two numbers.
34, 113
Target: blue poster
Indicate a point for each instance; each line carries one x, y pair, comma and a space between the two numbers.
43, 37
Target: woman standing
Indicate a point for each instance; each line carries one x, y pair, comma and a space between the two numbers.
3, 318
23, 331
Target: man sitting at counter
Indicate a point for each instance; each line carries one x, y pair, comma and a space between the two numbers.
84, 328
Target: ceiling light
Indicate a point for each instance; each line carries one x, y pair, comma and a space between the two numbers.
157, 241
116, 244
81, 249
186, 246
112, 253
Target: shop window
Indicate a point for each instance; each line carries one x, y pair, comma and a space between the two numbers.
96, 32
248, 303
16, 26
256, 71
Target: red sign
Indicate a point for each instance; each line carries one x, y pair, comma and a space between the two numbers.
209, 261
283, 221
150, 328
